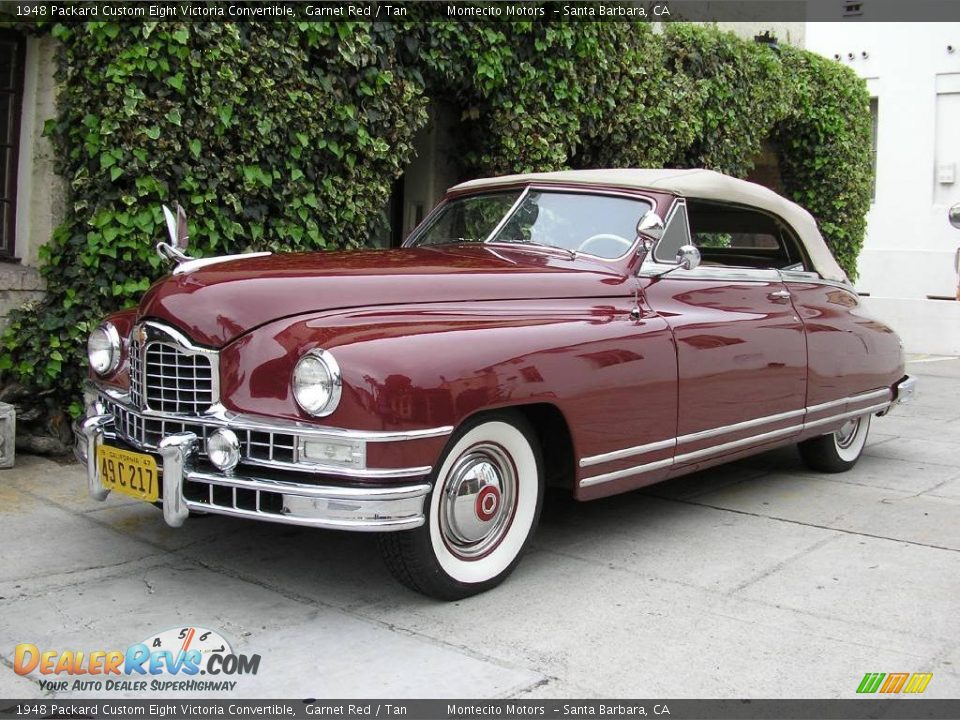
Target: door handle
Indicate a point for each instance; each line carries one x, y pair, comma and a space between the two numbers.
780, 296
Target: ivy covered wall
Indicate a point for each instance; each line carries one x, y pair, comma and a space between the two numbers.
289, 136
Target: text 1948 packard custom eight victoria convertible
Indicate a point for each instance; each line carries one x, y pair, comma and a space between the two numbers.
599, 330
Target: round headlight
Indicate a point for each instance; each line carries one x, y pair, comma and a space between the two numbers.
317, 383
103, 349
223, 449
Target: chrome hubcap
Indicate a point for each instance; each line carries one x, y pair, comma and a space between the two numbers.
478, 501
847, 432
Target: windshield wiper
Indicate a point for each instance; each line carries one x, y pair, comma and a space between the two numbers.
572, 254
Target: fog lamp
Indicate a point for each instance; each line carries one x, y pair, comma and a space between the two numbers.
223, 449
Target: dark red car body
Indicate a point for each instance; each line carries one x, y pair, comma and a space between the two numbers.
617, 361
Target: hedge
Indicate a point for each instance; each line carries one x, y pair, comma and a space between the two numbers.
289, 137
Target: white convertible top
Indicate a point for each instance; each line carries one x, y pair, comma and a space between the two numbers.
702, 184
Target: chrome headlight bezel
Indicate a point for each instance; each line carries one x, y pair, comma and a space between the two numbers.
111, 344
327, 378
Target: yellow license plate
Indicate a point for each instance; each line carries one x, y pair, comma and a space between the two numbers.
130, 473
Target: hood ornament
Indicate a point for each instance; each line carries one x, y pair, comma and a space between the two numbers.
175, 250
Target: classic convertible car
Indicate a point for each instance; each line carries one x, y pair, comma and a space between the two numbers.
596, 330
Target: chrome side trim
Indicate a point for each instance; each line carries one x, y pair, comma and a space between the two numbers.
684, 439
746, 425
846, 415
627, 452
863, 397
607, 477
733, 444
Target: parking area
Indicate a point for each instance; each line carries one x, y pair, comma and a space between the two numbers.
755, 579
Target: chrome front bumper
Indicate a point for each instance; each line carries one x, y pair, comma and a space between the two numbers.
187, 488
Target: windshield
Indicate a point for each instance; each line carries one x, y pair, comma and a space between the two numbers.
599, 225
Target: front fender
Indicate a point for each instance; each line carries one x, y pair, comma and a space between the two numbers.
414, 367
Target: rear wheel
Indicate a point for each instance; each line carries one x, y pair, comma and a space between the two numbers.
838, 451
485, 504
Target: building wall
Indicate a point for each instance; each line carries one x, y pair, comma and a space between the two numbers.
790, 33
909, 257
40, 191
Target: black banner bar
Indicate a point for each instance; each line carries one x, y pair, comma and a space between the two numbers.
183, 709
68, 11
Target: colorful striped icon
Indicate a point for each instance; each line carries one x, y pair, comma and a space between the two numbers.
894, 682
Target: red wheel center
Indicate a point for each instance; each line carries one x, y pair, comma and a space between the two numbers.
487, 504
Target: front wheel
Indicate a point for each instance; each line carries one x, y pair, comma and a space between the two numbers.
485, 504
838, 451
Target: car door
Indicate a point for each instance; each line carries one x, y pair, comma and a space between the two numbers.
741, 351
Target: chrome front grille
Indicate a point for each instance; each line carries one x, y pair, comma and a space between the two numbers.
145, 432
177, 382
168, 374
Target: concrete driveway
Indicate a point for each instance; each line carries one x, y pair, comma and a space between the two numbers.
757, 579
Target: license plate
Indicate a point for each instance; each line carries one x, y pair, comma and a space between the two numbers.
130, 473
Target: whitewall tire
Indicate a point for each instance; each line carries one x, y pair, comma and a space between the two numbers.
839, 450
483, 509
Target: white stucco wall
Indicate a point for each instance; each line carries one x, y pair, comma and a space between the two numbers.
909, 253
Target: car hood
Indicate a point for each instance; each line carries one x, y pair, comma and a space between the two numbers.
217, 303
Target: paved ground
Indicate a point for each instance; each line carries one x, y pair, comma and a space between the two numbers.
759, 579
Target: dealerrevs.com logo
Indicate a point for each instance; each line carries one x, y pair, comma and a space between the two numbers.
170, 661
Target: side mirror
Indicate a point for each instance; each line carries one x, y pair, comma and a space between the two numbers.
651, 225
954, 216
688, 257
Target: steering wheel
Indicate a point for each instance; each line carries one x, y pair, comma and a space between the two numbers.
604, 236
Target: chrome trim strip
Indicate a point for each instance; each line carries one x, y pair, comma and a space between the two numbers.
734, 444
710, 272
329, 492
846, 415
627, 452
509, 214
685, 439
378, 525
219, 415
863, 397
344, 470
814, 278
607, 477
737, 427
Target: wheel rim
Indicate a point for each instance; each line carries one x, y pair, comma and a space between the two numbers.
845, 436
478, 501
